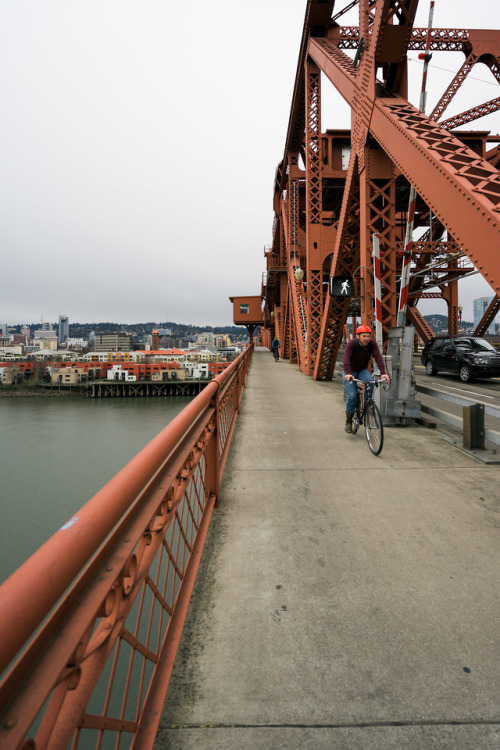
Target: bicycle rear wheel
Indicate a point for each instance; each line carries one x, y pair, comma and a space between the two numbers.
374, 428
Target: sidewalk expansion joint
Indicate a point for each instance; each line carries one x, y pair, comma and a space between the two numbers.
347, 725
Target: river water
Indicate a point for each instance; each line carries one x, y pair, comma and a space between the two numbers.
56, 453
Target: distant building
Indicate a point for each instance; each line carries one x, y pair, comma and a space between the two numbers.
11, 350
206, 339
63, 328
67, 376
480, 306
45, 337
116, 372
223, 341
112, 342
25, 330
76, 343
10, 375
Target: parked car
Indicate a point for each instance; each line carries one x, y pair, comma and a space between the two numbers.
467, 356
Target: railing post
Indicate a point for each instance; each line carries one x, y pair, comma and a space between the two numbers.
237, 390
212, 452
473, 417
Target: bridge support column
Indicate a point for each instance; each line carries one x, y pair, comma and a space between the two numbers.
378, 216
401, 407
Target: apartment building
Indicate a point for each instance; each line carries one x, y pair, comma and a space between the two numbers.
112, 342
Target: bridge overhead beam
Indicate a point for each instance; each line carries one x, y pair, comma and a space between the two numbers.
462, 189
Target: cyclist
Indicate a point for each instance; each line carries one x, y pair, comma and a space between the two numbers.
275, 348
357, 354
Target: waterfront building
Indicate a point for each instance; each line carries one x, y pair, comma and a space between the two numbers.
10, 375
67, 375
23, 370
92, 371
140, 371
116, 372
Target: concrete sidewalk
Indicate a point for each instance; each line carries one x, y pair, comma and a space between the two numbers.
343, 600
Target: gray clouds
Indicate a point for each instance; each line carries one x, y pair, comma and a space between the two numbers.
138, 145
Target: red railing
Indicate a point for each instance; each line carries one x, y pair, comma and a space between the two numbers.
90, 624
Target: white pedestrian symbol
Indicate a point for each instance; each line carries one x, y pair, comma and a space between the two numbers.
345, 287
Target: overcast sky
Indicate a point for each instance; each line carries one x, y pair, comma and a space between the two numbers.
138, 146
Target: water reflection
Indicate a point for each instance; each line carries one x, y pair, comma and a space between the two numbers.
57, 453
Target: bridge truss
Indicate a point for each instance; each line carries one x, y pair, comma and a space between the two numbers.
333, 190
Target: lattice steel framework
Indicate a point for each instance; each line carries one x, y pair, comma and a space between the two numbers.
314, 190
336, 210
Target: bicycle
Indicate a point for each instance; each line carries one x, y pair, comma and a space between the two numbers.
276, 355
368, 414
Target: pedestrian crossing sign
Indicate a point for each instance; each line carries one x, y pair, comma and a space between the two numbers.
341, 286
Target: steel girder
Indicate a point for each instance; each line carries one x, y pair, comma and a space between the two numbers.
392, 145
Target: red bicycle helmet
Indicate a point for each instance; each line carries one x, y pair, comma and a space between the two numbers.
363, 329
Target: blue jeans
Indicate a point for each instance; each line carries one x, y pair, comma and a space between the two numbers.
351, 389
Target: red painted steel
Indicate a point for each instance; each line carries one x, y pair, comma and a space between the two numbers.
91, 622
356, 182
378, 289
409, 243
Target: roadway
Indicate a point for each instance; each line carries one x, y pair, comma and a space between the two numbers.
343, 600
484, 391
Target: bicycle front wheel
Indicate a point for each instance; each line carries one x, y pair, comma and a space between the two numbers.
374, 428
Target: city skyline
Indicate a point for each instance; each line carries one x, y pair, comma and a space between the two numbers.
136, 178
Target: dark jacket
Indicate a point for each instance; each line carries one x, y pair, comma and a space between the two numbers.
356, 357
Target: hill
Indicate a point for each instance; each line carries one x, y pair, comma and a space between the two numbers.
438, 323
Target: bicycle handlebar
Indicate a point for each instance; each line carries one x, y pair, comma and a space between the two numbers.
375, 383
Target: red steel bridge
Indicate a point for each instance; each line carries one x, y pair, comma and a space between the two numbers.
91, 623
334, 190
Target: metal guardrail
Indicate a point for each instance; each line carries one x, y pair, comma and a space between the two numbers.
452, 419
90, 624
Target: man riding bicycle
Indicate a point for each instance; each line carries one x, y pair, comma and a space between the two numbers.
357, 354
275, 346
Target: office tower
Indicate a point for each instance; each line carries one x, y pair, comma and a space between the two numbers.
480, 306
63, 329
